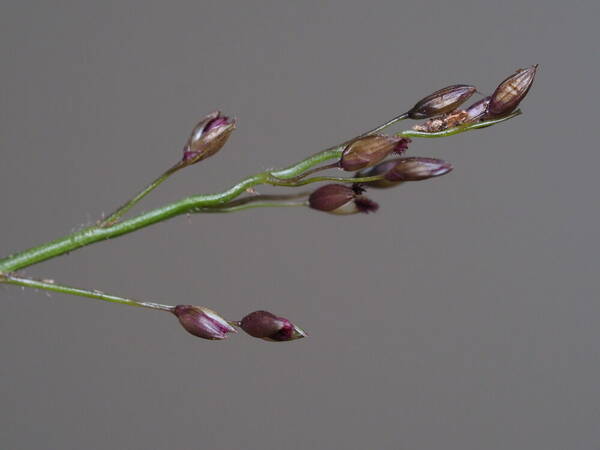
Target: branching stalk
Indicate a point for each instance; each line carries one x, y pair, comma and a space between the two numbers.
363, 153
195, 203
112, 218
97, 295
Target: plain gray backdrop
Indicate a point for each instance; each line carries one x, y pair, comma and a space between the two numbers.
463, 315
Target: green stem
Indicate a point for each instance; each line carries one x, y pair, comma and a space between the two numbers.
115, 216
259, 201
94, 234
389, 123
250, 205
333, 165
308, 163
377, 129
276, 182
51, 286
457, 130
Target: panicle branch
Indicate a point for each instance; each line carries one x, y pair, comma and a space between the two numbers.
377, 160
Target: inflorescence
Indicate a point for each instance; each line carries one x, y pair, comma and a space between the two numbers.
377, 161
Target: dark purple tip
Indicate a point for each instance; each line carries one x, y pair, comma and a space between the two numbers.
214, 123
366, 205
402, 145
358, 189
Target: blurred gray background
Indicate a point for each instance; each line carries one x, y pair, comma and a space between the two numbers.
463, 315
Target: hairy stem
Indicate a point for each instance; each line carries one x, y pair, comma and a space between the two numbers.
95, 234
97, 295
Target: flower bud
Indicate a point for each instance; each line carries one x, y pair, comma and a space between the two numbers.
207, 138
478, 110
267, 326
379, 169
511, 91
341, 199
369, 150
442, 101
202, 322
396, 171
417, 168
